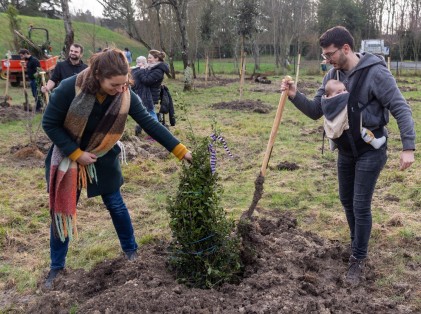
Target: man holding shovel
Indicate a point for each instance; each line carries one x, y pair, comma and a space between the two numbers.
373, 94
32, 64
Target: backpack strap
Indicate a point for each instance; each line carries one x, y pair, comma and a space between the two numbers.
354, 111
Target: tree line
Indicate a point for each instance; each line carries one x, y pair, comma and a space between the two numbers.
191, 29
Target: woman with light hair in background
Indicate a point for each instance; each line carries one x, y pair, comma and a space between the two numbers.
143, 91
152, 77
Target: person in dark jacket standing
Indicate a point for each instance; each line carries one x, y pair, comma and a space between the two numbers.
85, 119
142, 90
32, 65
151, 77
367, 77
71, 66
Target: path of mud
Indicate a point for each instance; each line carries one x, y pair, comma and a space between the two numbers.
287, 271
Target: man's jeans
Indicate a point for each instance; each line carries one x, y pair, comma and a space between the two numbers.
122, 224
357, 179
38, 105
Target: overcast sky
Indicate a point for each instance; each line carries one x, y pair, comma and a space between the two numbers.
91, 5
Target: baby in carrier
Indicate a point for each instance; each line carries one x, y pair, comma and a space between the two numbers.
334, 106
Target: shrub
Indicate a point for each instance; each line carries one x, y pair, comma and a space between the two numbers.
205, 249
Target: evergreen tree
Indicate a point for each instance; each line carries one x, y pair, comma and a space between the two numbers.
205, 251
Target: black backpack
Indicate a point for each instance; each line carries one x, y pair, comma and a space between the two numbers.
166, 105
164, 100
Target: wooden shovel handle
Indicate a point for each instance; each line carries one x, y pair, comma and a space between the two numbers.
275, 128
47, 96
22, 64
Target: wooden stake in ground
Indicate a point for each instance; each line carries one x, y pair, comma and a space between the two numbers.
5, 101
47, 99
206, 70
242, 73
258, 192
298, 70
26, 105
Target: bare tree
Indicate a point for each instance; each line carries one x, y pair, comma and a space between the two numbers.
180, 10
70, 35
123, 11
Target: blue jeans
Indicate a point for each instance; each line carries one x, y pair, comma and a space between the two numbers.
34, 90
122, 224
357, 180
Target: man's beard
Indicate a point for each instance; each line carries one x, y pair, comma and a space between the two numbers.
74, 58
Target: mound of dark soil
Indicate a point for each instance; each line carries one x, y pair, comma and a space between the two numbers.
141, 147
12, 113
291, 166
286, 271
249, 105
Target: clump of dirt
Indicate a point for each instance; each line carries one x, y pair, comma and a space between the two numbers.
248, 105
12, 113
30, 155
413, 99
291, 166
143, 147
286, 270
408, 89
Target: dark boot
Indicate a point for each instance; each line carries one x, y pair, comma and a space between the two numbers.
355, 270
48, 284
131, 256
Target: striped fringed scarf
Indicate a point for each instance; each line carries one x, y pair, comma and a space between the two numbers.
66, 176
212, 150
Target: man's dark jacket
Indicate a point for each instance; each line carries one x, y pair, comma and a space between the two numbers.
66, 69
31, 67
153, 78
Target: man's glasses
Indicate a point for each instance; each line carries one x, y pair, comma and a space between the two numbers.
329, 55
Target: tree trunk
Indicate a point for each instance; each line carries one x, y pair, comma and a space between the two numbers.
171, 62
256, 55
181, 15
70, 35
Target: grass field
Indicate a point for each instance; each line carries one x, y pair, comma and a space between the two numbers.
90, 36
309, 192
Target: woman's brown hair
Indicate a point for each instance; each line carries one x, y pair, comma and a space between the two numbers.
158, 54
105, 64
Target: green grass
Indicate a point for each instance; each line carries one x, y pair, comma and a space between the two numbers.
309, 192
90, 36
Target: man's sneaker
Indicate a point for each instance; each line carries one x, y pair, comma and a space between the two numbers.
48, 284
355, 270
131, 256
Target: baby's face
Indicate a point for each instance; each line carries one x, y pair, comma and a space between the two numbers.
336, 91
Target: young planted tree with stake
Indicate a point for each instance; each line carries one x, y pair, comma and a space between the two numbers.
205, 251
